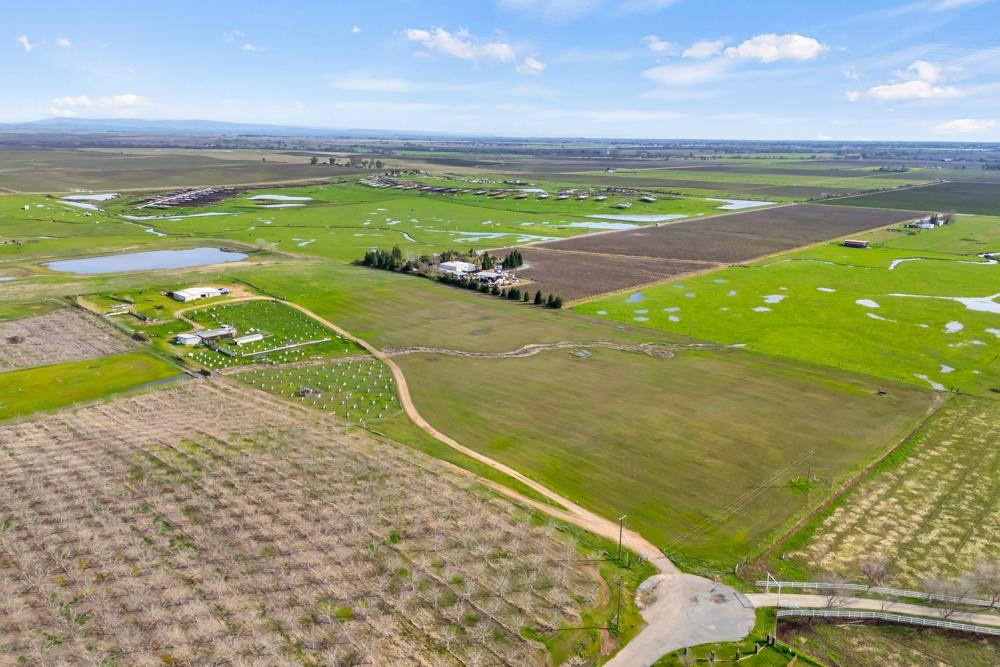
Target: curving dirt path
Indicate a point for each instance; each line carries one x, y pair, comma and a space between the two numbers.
679, 609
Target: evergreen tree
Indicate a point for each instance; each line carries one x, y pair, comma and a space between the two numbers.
526, 297
557, 302
538, 297
550, 301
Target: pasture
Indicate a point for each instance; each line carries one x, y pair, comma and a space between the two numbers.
930, 510
168, 532
29, 390
66, 334
908, 314
699, 450
289, 336
980, 198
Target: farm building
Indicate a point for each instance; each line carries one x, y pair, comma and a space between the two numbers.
647, 199
457, 268
195, 293
854, 243
187, 339
248, 338
225, 331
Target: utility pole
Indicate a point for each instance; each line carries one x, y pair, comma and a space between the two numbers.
621, 530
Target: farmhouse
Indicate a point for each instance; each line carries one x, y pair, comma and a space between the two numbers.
195, 293
187, 339
457, 268
854, 243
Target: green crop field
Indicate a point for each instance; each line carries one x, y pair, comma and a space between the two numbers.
23, 392
913, 308
977, 198
669, 442
288, 335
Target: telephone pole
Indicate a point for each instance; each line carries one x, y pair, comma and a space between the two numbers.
621, 530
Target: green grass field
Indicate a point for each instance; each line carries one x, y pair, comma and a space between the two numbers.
288, 335
836, 306
668, 442
31, 390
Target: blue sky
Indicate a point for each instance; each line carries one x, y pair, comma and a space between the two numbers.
765, 69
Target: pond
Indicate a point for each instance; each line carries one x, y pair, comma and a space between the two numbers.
739, 204
146, 261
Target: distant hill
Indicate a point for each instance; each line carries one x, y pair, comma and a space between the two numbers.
207, 127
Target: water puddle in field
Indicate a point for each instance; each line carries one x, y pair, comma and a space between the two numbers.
738, 345
302, 243
879, 317
154, 232
761, 309
720, 281
641, 311
731, 292
946, 369
271, 197
639, 218
636, 298
408, 237
279, 205
490, 236
867, 303
988, 256
146, 261
953, 327
641, 319
80, 204
672, 309
599, 225
775, 298
209, 214
602, 312
739, 204
995, 332
106, 196
673, 318
825, 289
936, 386
982, 304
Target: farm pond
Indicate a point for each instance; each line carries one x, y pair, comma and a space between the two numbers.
146, 261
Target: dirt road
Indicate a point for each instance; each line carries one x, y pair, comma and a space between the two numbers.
811, 601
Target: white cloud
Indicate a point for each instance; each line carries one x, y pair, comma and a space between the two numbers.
646, 5
657, 45
687, 74
363, 83
461, 44
249, 47
531, 66
704, 49
355, 30
25, 44
965, 126
769, 47
852, 95
63, 42
68, 101
851, 74
61, 113
946, 5
917, 82
233, 35
125, 105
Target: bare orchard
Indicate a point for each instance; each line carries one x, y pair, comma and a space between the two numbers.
210, 524
66, 334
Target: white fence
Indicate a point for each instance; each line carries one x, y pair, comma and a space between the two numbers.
891, 618
862, 588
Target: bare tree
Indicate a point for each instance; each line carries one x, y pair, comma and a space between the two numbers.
952, 592
876, 571
985, 580
835, 593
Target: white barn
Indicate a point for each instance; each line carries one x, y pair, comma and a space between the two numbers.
195, 293
457, 268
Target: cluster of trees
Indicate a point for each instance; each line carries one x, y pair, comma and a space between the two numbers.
511, 293
992, 166
390, 261
351, 162
514, 259
943, 218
